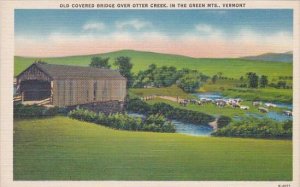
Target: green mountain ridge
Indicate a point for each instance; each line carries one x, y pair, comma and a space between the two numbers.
273, 57
230, 67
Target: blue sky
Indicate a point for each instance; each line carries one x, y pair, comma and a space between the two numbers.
134, 26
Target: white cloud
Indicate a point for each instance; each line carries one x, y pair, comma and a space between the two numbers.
250, 36
204, 28
205, 32
95, 26
135, 24
117, 36
205, 40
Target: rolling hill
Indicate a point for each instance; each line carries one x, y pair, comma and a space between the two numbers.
231, 67
273, 57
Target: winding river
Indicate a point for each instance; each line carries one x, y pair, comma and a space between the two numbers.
185, 128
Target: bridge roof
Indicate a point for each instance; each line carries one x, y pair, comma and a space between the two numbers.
76, 72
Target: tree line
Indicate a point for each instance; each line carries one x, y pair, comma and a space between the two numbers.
186, 79
255, 81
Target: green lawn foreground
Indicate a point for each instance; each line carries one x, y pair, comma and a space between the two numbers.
60, 148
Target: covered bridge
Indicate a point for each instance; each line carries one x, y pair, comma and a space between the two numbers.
67, 86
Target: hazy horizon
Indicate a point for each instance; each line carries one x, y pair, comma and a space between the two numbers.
285, 52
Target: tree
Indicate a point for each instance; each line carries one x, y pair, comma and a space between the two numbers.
99, 62
152, 67
189, 83
223, 121
220, 74
263, 82
252, 80
39, 61
125, 67
157, 76
214, 79
281, 84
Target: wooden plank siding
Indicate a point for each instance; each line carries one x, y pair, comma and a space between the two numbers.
75, 92
33, 73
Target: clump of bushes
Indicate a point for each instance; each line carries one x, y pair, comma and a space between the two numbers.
137, 105
257, 128
164, 76
189, 83
183, 115
158, 123
30, 111
170, 112
223, 121
153, 123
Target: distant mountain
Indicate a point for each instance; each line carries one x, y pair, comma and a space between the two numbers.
272, 57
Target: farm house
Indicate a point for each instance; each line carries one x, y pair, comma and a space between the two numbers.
65, 86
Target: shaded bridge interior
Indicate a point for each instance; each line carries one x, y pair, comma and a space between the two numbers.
35, 90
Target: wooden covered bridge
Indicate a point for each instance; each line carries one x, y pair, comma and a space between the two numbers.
66, 86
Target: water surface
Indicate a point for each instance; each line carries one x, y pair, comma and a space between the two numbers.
185, 128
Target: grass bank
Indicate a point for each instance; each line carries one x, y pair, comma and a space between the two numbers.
60, 148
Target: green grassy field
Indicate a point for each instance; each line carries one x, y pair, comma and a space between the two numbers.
212, 109
172, 91
60, 148
228, 88
141, 60
219, 86
261, 94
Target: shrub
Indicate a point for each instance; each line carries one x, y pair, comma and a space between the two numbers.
161, 108
154, 123
155, 119
168, 127
257, 128
288, 125
223, 121
31, 111
139, 106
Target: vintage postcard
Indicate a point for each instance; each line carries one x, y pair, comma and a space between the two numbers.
150, 93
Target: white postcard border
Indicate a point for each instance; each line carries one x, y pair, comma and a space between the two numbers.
6, 79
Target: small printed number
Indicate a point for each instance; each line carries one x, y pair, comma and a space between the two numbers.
284, 185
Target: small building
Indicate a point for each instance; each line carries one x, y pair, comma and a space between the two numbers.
66, 86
